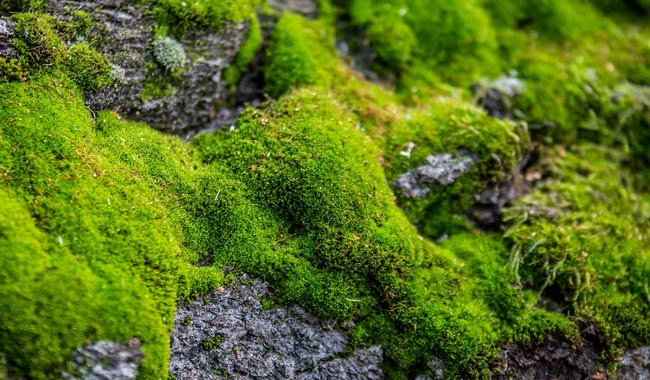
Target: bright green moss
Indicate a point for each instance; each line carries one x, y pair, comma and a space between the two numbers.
101, 263
246, 53
301, 53
393, 41
453, 38
581, 237
448, 126
185, 16
311, 167
89, 69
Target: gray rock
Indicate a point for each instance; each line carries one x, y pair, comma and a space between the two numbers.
228, 334
7, 50
635, 365
441, 168
106, 360
125, 31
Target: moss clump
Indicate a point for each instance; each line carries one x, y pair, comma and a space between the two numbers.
580, 239
309, 165
96, 264
185, 16
452, 127
452, 37
300, 54
37, 40
89, 69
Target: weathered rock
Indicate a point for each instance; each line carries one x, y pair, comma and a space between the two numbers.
635, 365
229, 335
442, 168
497, 97
554, 358
125, 31
105, 360
7, 50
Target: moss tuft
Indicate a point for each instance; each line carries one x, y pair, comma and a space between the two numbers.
300, 54
89, 69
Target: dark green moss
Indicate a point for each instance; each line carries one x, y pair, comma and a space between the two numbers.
452, 127
37, 40
89, 69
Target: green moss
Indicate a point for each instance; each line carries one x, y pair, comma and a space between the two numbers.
393, 41
452, 127
96, 264
311, 167
454, 38
301, 53
246, 53
185, 16
89, 69
37, 40
12, 69
582, 237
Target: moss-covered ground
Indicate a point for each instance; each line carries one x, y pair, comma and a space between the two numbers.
106, 224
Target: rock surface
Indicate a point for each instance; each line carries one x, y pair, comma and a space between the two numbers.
126, 31
442, 168
635, 365
7, 50
228, 334
105, 360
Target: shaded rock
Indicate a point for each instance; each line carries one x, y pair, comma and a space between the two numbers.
229, 335
486, 210
497, 97
635, 365
105, 360
441, 168
554, 358
125, 31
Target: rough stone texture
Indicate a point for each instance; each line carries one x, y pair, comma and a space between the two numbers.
105, 360
635, 365
126, 29
7, 50
442, 168
229, 335
554, 359
497, 96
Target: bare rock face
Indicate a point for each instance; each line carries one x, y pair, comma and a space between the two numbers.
635, 365
105, 360
124, 30
7, 50
228, 335
555, 358
442, 168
